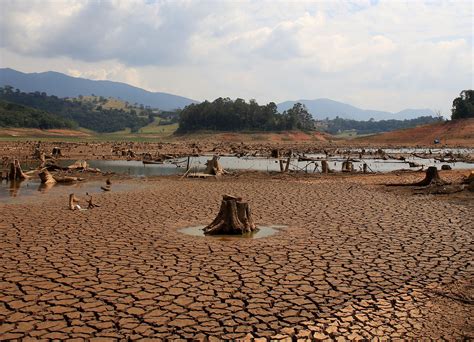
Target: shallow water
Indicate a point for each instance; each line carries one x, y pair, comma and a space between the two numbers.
198, 164
263, 231
18, 191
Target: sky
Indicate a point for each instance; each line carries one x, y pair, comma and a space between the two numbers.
374, 54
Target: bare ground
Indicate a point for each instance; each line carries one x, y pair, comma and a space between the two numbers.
357, 261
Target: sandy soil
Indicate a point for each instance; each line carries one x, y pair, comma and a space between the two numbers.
357, 261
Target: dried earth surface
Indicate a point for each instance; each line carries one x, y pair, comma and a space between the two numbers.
357, 261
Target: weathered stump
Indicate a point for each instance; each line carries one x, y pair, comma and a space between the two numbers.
324, 166
234, 218
16, 173
347, 166
73, 202
213, 167
431, 176
56, 152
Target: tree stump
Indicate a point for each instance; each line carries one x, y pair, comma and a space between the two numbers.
56, 152
347, 166
234, 218
213, 167
73, 202
16, 173
324, 166
432, 176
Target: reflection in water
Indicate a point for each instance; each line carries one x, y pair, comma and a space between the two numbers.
14, 187
45, 187
263, 231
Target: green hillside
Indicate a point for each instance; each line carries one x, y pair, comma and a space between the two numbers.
88, 114
16, 115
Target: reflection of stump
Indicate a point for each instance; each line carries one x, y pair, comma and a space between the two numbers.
46, 177
234, 217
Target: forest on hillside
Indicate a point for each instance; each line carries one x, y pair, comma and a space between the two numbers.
16, 115
83, 114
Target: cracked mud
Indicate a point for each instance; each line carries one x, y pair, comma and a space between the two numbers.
354, 263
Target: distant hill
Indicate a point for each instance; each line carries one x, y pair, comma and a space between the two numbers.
452, 133
84, 113
61, 85
326, 108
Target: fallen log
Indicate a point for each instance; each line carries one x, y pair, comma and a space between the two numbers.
48, 178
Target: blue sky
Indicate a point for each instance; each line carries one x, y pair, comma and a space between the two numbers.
386, 55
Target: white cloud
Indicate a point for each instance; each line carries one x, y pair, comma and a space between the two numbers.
419, 54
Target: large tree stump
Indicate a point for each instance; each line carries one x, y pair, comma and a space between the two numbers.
234, 218
431, 178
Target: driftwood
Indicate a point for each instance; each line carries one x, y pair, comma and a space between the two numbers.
48, 178
78, 165
90, 203
234, 217
16, 173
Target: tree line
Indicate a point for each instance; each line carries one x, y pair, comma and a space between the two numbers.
83, 114
224, 114
16, 115
339, 125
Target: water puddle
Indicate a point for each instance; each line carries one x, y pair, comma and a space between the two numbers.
263, 231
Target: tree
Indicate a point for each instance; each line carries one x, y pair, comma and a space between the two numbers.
298, 117
463, 106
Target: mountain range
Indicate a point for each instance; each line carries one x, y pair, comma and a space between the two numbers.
326, 108
61, 85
